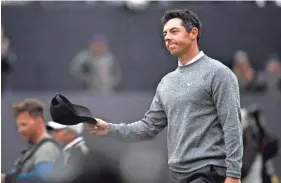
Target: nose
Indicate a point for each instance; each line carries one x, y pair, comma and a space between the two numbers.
20, 130
167, 37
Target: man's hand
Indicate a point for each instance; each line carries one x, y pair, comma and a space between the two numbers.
100, 128
3, 177
232, 180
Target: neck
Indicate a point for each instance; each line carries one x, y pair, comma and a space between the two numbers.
190, 53
39, 136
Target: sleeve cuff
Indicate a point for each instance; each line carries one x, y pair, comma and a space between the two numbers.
233, 173
112, 130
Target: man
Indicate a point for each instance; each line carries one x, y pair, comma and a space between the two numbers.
247, 77
96, 67
74, 148
36, 160
243, 69
200, 104
272, 76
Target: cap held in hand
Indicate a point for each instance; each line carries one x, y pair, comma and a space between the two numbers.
64, 112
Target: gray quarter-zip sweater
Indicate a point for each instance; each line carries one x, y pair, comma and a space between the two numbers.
200, 105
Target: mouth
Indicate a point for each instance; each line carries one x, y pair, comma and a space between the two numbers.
171, 46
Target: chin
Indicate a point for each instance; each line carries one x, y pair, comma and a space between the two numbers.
27, 139
173, 53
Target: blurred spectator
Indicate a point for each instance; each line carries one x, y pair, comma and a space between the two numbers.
246, 75
260, 147
7, 59
74, 150
147, 167
36, 160
99, 168
272, 76
96, 67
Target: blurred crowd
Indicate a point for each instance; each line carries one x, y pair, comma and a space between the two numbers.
96, 68
266, 81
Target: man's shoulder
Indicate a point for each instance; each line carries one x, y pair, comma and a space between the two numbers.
215, 63
48, 146
217, 67
169, 75
48, 151
80, 147
166, 78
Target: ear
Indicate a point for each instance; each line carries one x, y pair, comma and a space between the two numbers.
194, 33
39, 119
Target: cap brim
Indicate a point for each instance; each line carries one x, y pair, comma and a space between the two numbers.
84, 114
55, 126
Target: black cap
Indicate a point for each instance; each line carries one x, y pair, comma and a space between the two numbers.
64, 112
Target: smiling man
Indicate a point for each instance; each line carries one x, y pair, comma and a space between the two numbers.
199, 103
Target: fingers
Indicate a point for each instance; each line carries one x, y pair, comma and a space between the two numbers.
98, 120
97, 128
93, 132
93, 128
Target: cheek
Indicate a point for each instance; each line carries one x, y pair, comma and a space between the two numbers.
32, 128
61, 136
24, 130
185, 41
56, 135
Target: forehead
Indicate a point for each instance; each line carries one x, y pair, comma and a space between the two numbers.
173, 23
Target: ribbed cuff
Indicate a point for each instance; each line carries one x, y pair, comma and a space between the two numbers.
112, 130
233, 173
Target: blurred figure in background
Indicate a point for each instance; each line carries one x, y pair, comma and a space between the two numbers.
7, 59
96, 67
37, 159
272, 76
246, 75
260, 148
74, 150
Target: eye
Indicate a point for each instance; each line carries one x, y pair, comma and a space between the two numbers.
23, 124
174, 31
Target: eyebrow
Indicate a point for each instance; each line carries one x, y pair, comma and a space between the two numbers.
170, 29
20, 122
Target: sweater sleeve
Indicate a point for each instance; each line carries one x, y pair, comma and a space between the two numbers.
147, 128
227, 100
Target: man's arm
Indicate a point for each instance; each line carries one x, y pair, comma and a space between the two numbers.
44, 160
39, 172
147, 128
227, 100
